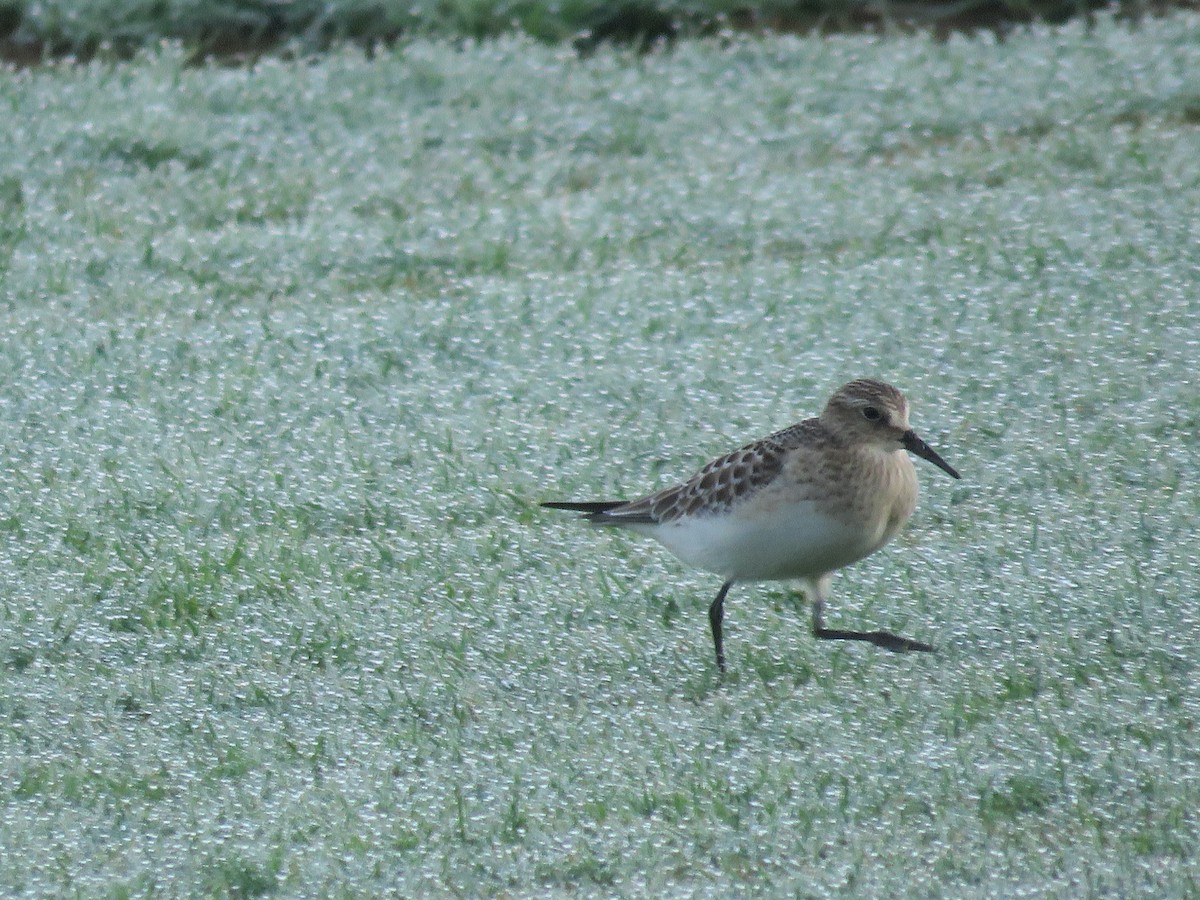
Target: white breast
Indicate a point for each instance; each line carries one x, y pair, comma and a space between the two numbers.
797, 542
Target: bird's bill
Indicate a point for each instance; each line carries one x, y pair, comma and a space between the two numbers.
914, 444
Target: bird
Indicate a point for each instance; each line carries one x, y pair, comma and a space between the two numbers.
796, 505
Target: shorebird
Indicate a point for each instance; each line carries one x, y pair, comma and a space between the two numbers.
798, 504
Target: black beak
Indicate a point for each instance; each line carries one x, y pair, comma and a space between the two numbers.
914, 444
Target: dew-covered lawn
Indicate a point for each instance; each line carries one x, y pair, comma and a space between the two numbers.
289, 355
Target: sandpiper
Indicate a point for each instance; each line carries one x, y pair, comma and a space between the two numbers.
798, 504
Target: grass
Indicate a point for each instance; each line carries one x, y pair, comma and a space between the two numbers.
290, 353
31, 31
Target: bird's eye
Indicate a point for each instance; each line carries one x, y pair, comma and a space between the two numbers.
871, 414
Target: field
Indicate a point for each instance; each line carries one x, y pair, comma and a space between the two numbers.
290, 353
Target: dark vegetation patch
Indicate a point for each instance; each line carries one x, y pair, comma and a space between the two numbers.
239, 31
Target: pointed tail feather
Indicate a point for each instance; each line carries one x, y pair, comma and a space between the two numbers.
589, 508
603, 512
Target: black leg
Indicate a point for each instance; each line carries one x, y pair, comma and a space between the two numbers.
716, 613
884, 639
